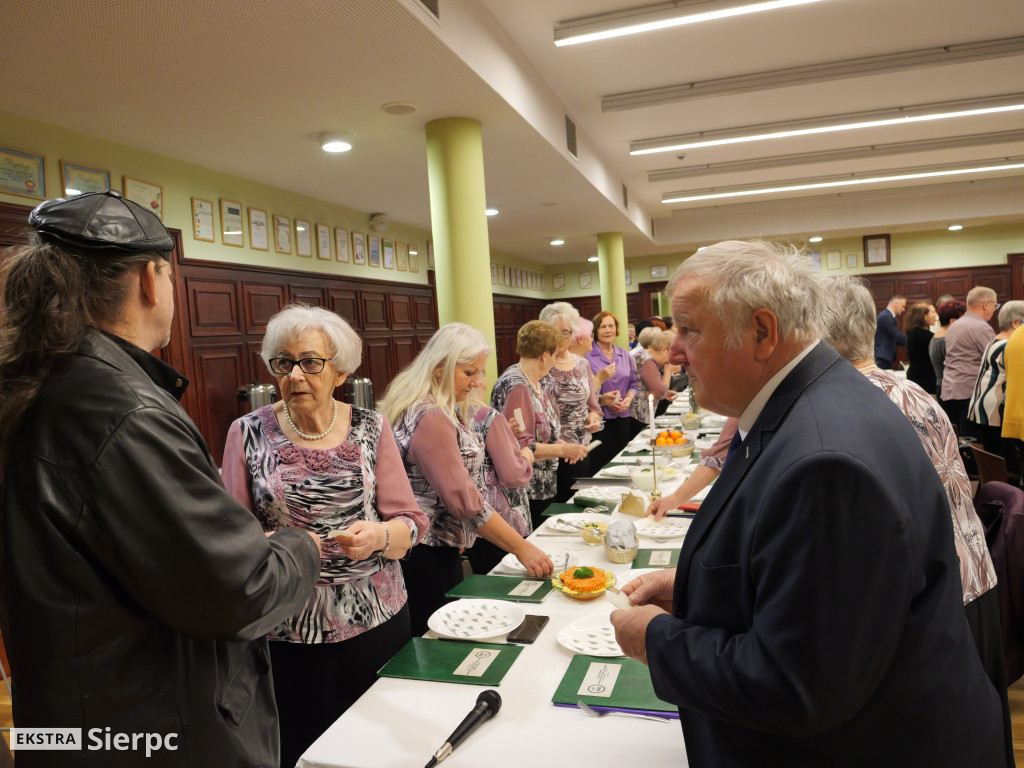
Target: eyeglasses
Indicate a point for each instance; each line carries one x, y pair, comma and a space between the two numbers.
995, 304
283, 366
567, 334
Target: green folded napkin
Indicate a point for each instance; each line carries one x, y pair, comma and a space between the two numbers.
663, 558
558, 508
583, 501
452, 661
514, 588
609, 682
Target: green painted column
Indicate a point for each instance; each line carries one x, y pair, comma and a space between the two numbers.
611, 261
455, 171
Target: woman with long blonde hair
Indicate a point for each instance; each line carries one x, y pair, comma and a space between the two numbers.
428, 404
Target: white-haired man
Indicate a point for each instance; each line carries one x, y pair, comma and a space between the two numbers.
965, 346
816, 614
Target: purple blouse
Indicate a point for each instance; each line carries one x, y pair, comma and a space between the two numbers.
624, 379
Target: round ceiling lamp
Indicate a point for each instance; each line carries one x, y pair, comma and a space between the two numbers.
335, 141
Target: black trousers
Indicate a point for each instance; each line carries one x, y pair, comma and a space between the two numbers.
429, 572
616, 433
983, 617
314, 684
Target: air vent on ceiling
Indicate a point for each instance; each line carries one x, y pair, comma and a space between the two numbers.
433, 6
625, 197
570, 136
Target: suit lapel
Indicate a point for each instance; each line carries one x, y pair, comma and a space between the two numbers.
786, 394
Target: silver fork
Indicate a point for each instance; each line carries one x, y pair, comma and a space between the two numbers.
594, 713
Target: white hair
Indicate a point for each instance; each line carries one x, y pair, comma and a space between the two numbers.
849, 317
343, 345
979, 294
561, 310
660, 339
737, 277
646, 336
1010, 311
453, 344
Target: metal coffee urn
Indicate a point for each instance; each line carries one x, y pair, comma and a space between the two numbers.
258, 395
359, 392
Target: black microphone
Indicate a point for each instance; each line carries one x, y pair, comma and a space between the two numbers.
487, 705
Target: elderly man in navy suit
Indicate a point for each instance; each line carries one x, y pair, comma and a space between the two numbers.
815, 617
887, 333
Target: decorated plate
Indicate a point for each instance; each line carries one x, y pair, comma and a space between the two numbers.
571, 523
618, 470
611, 493
666, 528
557, 583
472, 619
592, 635
511, 563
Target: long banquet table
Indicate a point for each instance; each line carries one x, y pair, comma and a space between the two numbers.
400, 723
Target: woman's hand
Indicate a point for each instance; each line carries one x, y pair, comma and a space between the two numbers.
661, 507
573, 452
517, 429
534, 560
367, 538
604, 374
621, 405
606, 399
594, 422
670, 395
527, 454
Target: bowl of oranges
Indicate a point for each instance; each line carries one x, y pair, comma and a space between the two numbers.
674, 442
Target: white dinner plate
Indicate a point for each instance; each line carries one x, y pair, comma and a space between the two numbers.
611, 493
472, 619
618, 470
666, 528
592, 635
511, 563
571, 523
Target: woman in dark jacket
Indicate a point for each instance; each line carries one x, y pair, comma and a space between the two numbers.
917, 325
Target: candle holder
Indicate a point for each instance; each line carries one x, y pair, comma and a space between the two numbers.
655, 493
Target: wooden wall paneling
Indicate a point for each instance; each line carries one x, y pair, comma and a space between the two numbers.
213, 308
633, 306
221, 369
883, 288
998, 279
424, 314
345, 302
917, 289
405, 349
374, 307
258, 373
377, 364
401, 309
14, 228
957, 285
307, 294
261, 302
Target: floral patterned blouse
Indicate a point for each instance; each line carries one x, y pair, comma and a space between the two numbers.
287, 485
513, 390
506, 473
573, 394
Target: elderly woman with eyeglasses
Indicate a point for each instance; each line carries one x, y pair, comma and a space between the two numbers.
429, 404
309, 461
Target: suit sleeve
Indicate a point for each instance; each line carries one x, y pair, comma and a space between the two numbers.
166, 529
831, 575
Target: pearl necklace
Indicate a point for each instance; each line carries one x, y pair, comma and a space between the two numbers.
303, 435
534, 387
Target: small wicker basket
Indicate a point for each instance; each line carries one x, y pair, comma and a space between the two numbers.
634, 505
621, 555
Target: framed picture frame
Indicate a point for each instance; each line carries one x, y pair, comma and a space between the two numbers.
414, 259
373, 250
323, 242
815, 258
585, 280
833, 260
303, 238
282, 234
660, 270
202, 219
358, 248
341, 247
508, 277
494, 274
402, 257
149, 196
876, 251
558, 282
259, 239
387, 248
231, 226
22, 173
79, 179
629, 276
851, 260
430, 254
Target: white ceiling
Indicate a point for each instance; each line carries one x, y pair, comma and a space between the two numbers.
245, 87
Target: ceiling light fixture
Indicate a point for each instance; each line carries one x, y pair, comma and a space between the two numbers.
955, 227
892, 116
816, 239
558, 241
335, 141
661, 16
491, 211
845, 180
592, 258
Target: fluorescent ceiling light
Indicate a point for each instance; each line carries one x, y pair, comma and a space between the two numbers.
909, 174
955, 227
491, 211
558, 241
661, 16
892, 116
592, 258
816, 239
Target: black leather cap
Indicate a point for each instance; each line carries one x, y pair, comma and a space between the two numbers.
102, 220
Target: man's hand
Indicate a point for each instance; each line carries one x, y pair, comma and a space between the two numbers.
652, 588
631, 630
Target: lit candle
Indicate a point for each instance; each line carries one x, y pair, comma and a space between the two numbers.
650, 409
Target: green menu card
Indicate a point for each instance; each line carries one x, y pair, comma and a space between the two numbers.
452, 661
514, 588
615, 683
656, 558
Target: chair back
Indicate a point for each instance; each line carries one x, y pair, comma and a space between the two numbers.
991, 466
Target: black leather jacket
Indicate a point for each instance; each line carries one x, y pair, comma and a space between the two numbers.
137, 590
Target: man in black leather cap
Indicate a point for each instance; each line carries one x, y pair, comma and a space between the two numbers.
136, 590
